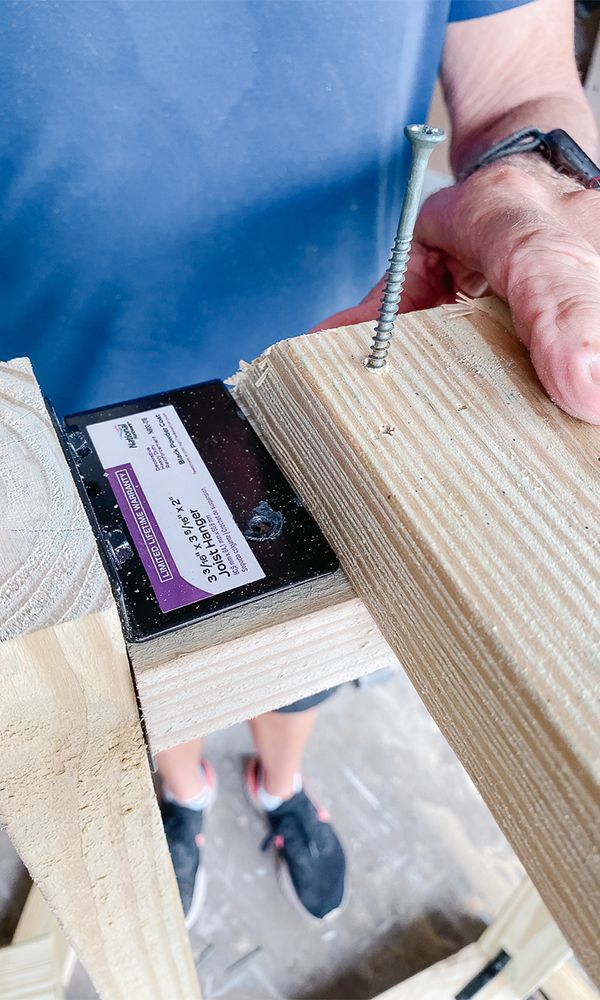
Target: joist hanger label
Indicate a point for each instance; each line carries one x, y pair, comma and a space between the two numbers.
191, 513
180, 524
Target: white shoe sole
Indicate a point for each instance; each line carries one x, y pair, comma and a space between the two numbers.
198, 899
199, 893
287, 887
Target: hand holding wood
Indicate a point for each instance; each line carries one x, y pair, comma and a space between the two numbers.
533, 237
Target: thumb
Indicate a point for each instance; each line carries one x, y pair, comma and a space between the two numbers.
552, 286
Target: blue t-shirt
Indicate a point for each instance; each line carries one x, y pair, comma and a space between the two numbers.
183, 183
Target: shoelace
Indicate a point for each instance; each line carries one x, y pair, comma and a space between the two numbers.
297, 821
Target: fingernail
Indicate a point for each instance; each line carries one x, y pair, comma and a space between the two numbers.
594, 370
474, 285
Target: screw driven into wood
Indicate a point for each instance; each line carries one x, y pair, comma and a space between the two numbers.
422, 138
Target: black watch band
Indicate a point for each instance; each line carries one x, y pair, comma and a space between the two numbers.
556, 146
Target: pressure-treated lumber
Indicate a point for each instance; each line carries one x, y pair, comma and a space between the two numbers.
39, 962
75, 788
28, 971
567, 983
37, 921
49, 569
254, 659
464, 508
525, 932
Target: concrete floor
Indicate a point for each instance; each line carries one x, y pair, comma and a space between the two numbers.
427, 863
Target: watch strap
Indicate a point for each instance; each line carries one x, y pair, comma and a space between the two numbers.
557, 147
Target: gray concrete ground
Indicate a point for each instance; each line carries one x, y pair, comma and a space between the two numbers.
427, 863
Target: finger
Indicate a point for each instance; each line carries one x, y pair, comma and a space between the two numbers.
553, 290
517, 234
366, 311
427, 284
471, 283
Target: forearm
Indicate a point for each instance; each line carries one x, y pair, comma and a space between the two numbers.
510, 71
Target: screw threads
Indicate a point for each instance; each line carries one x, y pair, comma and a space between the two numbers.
422, 138
389, 302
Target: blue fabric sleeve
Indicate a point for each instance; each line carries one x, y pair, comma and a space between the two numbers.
463, 10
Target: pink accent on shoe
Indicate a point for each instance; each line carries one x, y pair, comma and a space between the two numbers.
323, 815
278, 841
199, 840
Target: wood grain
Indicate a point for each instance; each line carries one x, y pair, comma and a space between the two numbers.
464, 508
525, 930
567, 983
537, 953
76, 794
28, 971
39, 962
49, 569
254, 659
443, 980
37, 921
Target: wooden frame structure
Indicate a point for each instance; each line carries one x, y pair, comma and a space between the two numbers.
39, 962
464, 509
76, 794
75, 786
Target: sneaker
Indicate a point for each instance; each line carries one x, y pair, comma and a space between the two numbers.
183, 829
312, 864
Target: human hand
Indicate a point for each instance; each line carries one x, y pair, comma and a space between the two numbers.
531, 236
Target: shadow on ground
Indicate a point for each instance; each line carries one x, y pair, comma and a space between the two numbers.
401, 952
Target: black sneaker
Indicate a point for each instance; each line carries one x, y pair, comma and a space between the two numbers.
183, 829
312, 862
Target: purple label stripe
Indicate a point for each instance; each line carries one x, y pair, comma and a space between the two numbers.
171, 589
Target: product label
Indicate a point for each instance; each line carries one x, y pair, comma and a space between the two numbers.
182, 529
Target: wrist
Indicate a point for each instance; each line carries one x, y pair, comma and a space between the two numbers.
556, 149
534, 166
571, 112
526, 177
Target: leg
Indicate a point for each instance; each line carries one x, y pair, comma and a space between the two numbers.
188, 791
312, 861
280, 739
179, 770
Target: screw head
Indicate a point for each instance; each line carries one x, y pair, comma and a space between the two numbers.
424, 135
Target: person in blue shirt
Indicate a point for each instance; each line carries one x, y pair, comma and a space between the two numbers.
183, 183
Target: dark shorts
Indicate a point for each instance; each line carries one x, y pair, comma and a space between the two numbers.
310, 702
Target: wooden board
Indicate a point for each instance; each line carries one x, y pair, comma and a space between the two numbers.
537, 952
39, 962
567, 983
525, 930
28, 971
37, 921
75, 788
464, 508
443, 980
49, 568
254, 659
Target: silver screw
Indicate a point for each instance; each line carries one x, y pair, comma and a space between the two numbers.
422, 138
